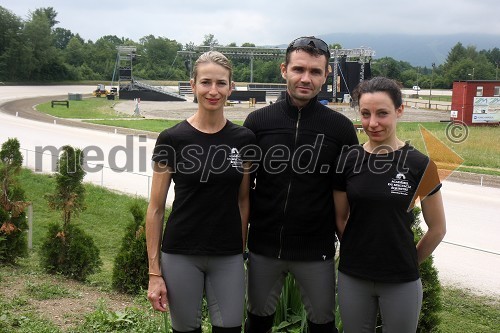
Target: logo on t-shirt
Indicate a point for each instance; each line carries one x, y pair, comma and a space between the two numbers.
235, 158
399, 184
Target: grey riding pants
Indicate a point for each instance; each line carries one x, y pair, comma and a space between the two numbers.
360, 301
315, 279
187, 277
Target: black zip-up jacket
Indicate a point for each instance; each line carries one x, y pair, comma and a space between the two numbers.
292, 211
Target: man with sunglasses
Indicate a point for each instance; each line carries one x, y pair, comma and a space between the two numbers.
292, 221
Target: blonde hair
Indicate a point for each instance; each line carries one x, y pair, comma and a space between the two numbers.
216, 58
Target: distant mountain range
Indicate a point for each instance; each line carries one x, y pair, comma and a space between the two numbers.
418, 50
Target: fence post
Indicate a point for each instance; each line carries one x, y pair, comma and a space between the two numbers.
30, 226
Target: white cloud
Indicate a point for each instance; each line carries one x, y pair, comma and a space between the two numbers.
266, 22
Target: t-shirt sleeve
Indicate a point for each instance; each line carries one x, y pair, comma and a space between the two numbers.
164, 152
429, 183
431, 177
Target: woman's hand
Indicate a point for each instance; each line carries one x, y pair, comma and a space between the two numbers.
157, 293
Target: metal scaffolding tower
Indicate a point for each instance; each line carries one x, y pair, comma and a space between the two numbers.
363, 55
123, 66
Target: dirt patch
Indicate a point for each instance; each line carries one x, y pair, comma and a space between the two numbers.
65, 311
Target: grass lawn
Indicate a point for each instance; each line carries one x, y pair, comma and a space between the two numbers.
480, 154
87, 108
32, 301
480, 150
151, 125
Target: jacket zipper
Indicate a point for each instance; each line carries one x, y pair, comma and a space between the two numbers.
289, 184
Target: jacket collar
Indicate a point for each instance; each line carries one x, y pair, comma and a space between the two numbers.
293, 112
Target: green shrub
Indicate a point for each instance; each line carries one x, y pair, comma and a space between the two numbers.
13, 226
431, 305
130, 270
69, 194
69, 252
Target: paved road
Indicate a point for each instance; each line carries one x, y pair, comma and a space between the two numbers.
469, 258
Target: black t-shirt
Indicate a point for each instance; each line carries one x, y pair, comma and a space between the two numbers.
378, 242
205, 217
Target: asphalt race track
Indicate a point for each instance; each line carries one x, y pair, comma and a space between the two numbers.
469, 257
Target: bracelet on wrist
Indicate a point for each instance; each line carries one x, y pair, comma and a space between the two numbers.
154, 274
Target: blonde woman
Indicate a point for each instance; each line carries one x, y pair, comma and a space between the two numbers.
200, 252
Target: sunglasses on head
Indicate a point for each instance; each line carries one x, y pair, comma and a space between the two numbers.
311, 42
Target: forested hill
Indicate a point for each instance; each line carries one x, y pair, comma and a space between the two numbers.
418, 50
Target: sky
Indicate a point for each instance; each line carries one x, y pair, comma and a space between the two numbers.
264, 22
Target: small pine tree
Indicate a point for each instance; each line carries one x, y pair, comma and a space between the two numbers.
67, 250
70, 252
432, 304
69, 195
130, 271
13, 242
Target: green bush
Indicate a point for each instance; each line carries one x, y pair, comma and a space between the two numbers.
13, 226
431, 305
70, 252
130, 270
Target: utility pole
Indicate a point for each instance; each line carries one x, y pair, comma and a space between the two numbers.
418, 87
430, 90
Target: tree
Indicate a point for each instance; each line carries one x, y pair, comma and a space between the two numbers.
130, 269
456, 54
158, 56
67, 250
12, 204
62, 38
10, 45
44, 62
48, 12
335, 46
74, 53
209, 40
69, 194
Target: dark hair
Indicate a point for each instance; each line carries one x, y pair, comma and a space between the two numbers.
310, 44
379, 84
